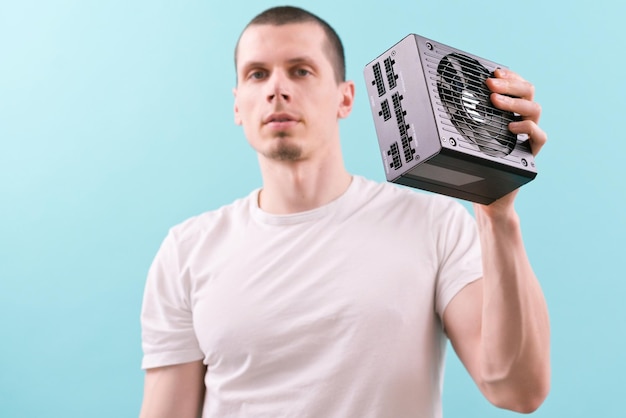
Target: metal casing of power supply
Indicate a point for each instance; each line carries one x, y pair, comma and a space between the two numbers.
436, 126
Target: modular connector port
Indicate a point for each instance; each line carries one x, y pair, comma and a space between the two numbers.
392, 77
394, 153
385, 111
378, 79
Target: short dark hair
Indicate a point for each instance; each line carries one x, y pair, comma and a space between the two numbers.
283, 15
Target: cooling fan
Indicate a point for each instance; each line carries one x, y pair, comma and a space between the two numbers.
462, 89
436, 126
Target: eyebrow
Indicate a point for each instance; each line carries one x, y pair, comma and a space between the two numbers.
300, 60
296, 60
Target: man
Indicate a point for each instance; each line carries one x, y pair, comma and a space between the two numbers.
324, 294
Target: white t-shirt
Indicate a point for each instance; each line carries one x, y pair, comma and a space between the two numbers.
333, 312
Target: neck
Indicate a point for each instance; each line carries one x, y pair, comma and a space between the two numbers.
298, 186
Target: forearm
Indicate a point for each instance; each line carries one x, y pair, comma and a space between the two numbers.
515, 333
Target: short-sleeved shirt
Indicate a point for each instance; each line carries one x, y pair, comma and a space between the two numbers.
333, 312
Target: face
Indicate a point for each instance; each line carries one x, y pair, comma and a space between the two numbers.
287, 98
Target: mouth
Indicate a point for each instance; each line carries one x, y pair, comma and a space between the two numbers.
279, 118
281, 122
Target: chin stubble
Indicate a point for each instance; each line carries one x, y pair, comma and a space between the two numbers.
284, 150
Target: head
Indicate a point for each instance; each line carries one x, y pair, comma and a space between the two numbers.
284, 15
291, 89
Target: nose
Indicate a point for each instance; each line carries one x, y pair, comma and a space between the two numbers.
278, 87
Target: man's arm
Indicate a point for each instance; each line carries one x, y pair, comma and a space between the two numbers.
499, 325
174, 391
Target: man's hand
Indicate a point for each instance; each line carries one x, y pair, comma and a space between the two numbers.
506, 84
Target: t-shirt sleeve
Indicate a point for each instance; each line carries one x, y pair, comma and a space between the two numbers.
458, 246
167, 331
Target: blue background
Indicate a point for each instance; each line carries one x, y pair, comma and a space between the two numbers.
116, 123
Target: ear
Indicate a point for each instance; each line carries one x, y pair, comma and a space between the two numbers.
346, 100
236, 108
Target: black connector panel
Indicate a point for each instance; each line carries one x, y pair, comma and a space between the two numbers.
403, 128
391, 75
385, 111
394, 153
378, 79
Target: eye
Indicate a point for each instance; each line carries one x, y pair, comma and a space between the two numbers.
257, 74
302, 72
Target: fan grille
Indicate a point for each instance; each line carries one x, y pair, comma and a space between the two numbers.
466, 102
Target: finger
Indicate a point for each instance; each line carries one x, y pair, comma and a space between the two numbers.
509, 83
527, 109
536, 135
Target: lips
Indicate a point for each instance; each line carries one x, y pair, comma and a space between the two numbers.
280, 118
281, 122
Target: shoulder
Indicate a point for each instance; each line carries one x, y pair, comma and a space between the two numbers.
399, 197
213, 221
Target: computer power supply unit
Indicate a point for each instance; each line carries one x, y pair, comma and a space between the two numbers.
436, 126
